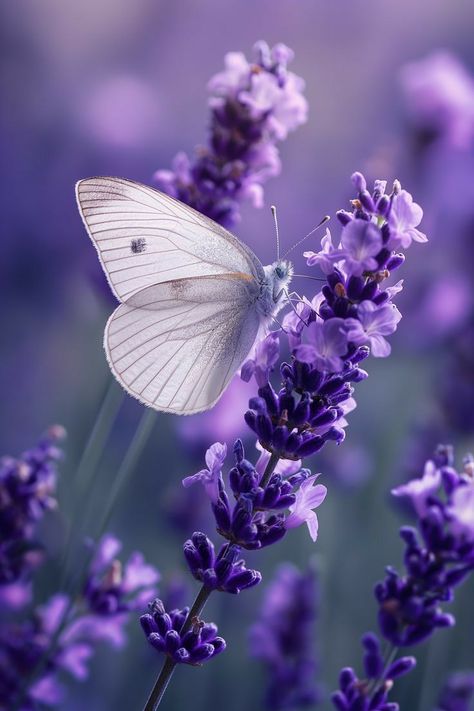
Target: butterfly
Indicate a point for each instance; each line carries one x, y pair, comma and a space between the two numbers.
194, 299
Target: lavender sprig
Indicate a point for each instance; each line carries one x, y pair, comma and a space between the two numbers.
439, 555
253, 107
328, 336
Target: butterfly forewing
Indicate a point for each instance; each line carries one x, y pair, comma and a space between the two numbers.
145, 237
175, 346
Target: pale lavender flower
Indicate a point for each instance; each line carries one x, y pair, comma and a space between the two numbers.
361, 241
404, 217
461, 511
327, 342
373, 323
211, 476
296, 320
326, 257
420, 490
308, 497
263, 359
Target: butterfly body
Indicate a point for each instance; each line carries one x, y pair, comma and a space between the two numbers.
273, 289
193, 298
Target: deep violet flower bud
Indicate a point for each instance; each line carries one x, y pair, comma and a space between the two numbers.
226, 572
193, 646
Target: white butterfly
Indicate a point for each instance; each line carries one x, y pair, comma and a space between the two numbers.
194, 299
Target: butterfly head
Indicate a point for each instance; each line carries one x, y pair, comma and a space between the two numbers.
282, 272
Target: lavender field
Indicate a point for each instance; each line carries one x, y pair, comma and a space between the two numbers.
256, 488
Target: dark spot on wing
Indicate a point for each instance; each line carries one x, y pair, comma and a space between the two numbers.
138, 246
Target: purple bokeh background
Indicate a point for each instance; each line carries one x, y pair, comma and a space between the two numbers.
117, 88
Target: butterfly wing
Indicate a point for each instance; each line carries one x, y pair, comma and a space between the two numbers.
175, 346
145, 237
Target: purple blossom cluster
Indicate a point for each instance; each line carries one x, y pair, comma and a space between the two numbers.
330, 335
27, 489
165, 631
283, 639
254, 105
439, 555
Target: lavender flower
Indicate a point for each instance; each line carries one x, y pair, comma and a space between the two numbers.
211, 476
253, 107
284, 639
27, 488
457, 693
439, 555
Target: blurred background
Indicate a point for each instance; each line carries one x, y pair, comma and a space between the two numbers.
117, 88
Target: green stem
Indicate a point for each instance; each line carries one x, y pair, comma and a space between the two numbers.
129, 462
269, 469
88, 463
169, 666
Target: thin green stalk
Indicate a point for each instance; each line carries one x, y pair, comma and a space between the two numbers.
88, 462
269, 469
129, 462
169, 665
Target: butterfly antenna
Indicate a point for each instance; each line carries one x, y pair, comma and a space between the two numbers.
275, 220
325, 219
307, 276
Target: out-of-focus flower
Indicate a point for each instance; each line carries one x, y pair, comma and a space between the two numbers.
253, 107
457, 692
420, 490
27, 488
283, 638
112, 591
440, 96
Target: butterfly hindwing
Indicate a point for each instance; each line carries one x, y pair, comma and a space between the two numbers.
175, 346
